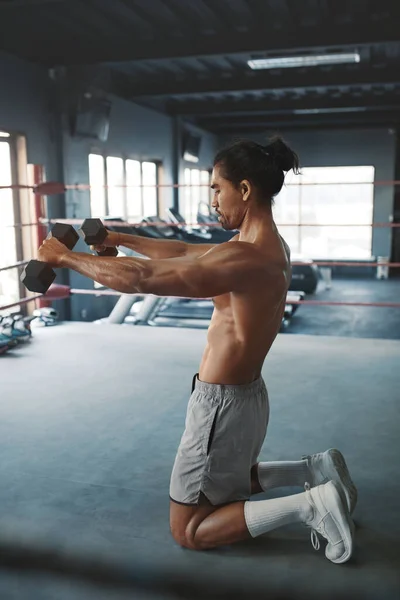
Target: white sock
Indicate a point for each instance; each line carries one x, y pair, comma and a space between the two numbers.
265, 515
283, 473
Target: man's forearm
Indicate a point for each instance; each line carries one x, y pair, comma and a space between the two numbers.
121, 274
153, 248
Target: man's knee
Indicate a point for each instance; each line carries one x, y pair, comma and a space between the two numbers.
185, 523
179, 537
186, 537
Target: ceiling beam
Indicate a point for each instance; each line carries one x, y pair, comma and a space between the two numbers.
388, 119
26, 3
286, 79
257, 40
272, 116
276, 106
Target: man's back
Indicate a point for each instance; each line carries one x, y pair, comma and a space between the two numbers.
245, 323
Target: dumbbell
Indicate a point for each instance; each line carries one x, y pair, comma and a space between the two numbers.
37, 275
94, 233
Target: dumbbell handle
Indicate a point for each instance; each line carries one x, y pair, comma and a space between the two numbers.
94, 233
108, 251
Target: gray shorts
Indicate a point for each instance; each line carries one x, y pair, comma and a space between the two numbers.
224, 431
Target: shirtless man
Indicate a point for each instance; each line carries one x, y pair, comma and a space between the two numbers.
216, 469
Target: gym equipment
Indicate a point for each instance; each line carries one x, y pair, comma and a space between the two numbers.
37, 275
189, 234
209, 223
214, 235
7, 343
45, 316
182, 312
15, 329
94, 233
305, 276
159, 228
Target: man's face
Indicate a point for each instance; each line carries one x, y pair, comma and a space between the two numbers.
227, 201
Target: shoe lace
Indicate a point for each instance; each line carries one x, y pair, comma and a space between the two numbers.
314, 536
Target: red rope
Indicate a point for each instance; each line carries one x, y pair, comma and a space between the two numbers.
55, 187
66, 292
46, 222
21, 302
331, 303
394, 265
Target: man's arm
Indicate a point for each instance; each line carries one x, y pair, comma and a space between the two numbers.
156, 248
225, 268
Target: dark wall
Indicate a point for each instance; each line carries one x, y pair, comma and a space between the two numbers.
356, 147
28, 106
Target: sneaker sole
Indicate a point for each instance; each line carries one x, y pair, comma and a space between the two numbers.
342, 521
343, 478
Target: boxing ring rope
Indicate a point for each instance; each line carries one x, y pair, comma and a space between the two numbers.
17, 265
294, 263
48, 188
128, 224
63, 292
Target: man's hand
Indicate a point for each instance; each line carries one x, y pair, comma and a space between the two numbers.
52, 252
112, 241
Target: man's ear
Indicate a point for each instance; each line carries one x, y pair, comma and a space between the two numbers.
245, 188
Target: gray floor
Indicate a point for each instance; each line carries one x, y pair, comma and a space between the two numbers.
90, 419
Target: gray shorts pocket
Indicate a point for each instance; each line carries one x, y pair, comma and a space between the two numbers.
211, 436
199, 426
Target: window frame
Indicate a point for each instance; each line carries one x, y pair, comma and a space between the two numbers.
300, 223
12, 141
124, 158
188, 190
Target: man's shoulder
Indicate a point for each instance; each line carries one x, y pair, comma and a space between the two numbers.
247, 257
241, 252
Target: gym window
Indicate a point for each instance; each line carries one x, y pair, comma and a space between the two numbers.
337, 203
10, 236
123, 187
196, 190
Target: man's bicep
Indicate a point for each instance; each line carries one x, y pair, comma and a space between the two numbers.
225, 269
233, 266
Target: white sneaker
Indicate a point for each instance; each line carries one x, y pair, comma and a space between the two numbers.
331, 466
332, 520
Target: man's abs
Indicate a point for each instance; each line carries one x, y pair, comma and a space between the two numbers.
237, 344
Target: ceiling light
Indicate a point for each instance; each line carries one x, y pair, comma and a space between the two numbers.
304, 61
316, 111
4, 134
190, 157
